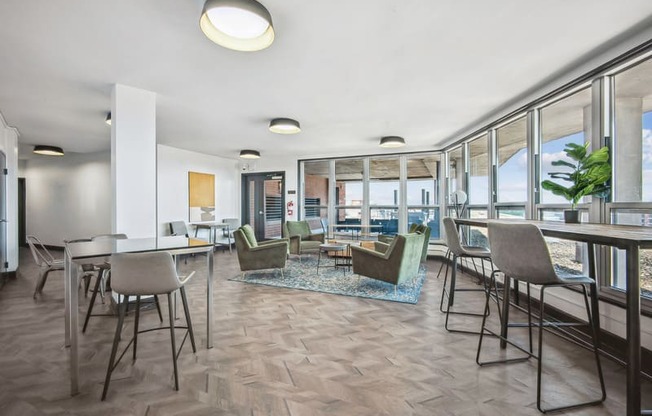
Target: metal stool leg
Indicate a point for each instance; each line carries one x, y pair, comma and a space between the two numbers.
186, 311
114, 348
173, 342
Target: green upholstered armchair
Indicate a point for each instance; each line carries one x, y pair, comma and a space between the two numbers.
301, 237
383, 244
253, 255
397, 264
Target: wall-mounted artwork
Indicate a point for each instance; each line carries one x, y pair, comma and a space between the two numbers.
201, 196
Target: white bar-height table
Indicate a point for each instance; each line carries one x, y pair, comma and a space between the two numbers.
629, 238
76, 252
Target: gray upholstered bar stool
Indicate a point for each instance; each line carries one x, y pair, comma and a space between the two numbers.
520, 252
459, 251
103, 274
137, 274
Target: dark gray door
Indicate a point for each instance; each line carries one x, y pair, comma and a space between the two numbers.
3, 213
263, 203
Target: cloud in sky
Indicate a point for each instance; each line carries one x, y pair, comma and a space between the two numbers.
647, 145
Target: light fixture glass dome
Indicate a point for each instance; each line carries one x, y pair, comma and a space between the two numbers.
41, 149
284, 126
249, 154
392, 141
241, 25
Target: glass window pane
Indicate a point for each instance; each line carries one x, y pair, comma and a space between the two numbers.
422, 177
348, 186
387, 218
510, 212
632, 156
566, 121
315, 176
384, 181
478, 186
428, 216
641, 217
455, 170
512, 162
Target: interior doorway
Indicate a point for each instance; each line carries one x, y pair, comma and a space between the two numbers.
263, 201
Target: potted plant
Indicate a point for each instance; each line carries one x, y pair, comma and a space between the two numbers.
589, 176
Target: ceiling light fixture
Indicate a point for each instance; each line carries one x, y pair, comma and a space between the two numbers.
108, 119
241, 25
392, 141
284, 126
249, 154
41, 149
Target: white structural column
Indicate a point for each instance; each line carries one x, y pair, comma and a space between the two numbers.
133, 162
628, 144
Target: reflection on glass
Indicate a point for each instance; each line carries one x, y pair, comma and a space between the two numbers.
632, 217
511, 145
633, 134
383, 181
316, 184
478, 186
455, 170
562, 123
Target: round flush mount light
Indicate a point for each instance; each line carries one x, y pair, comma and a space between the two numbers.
241, 25
41, 149
392, 141
249, 154
284, 126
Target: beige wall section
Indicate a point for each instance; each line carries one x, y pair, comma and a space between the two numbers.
68, 197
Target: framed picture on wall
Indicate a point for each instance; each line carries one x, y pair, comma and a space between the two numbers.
201, 197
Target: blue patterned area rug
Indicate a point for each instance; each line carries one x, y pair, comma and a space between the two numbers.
333, 280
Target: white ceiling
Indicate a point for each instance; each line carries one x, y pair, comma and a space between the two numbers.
350, 71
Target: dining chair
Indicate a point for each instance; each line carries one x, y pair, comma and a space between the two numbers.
103, 279
139, 274
520, 252
460, 251
44, 260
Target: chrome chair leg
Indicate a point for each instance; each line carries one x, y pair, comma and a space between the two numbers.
173, 343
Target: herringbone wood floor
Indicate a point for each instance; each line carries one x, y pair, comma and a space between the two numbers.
282, 352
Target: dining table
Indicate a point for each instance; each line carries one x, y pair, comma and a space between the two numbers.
629, 238
77, 252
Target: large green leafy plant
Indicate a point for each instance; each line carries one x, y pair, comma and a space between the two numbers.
589, 175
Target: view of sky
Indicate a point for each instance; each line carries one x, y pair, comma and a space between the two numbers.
512, 176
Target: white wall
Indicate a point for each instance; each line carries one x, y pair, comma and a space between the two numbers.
9, 146
68, 197
173, 167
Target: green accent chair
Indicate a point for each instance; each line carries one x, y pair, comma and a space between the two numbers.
302, 239
383, 245
254, 255
398, 263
